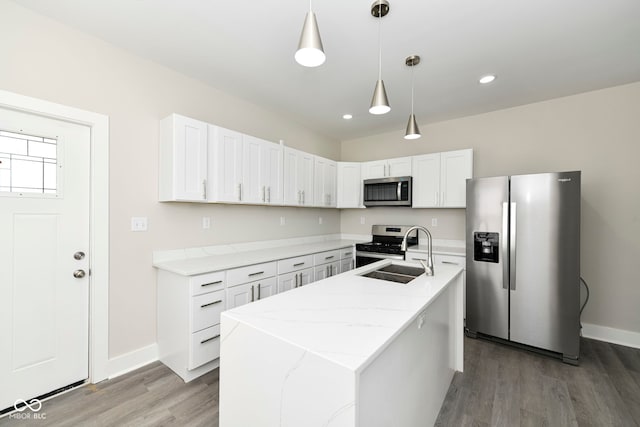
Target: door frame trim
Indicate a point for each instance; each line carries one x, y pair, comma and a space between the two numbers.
99, 217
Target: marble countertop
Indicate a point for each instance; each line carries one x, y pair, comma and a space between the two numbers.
347, 319
225, 261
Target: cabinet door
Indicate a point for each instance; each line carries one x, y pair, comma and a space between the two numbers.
349, 185
426, 181
265, 288
287, 281
292, 195
375, 169
226, 164
305, 177
400, 166
306, 276
252, 186
334, 268
272, 172
240, 295
346, 264
183, 159
331, 184
320, 272
319, 171
455, 168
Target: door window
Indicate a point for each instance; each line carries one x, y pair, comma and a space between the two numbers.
28, 164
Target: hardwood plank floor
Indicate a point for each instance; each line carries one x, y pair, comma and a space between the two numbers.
501, 386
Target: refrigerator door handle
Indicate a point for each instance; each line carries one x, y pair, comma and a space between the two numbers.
505, 245
512, 248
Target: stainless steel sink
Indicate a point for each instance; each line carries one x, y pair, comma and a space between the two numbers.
395, 273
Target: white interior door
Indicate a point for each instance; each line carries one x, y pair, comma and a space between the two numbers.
44, 222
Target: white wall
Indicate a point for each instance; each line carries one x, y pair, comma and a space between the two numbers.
596, 132
44, 59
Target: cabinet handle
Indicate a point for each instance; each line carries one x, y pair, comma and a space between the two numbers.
326, 271
442, 198
418, 259
240, 192
299, 197
298, 264
351, 264
264, 197
328, 257
256, 273
258, 290
269, 194
212, 283
210, 339
347, 254
204, 189
435, 199
303, 197
211, 303
296, 285
301, 283
449, 262
251, 293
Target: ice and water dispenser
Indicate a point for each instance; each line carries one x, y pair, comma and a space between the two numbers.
485, 247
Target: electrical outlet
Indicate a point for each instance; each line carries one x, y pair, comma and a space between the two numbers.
320, 220
434, 222
138, 223
206, 222
362, 221
420, 321
282, 221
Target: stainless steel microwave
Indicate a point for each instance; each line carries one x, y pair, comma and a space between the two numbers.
394, 191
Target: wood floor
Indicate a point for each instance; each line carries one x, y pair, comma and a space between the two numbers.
501, 386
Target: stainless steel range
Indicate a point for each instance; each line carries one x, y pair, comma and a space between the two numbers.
386, 244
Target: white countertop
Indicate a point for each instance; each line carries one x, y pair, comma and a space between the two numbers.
218, 262
347, 319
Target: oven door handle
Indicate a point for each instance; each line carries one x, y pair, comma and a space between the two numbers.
378, 255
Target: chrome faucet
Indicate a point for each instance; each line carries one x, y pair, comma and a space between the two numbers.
428, 266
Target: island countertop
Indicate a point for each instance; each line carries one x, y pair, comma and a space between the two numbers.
346, 319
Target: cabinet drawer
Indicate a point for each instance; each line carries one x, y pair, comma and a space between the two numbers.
207, 283
251, 273
459, 261
346, 253
292, 264
206, 309
325, 257
204, 346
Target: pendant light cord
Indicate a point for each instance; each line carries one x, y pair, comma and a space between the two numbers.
379, 40
412, 87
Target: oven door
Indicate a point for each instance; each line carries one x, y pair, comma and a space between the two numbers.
364, 258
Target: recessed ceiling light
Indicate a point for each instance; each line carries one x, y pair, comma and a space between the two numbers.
347, 117
487, 79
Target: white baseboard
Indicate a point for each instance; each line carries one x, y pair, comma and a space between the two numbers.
128, 362
612, 335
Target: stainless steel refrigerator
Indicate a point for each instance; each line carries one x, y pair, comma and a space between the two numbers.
523, 260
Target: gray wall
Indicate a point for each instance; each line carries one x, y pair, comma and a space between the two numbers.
596, 132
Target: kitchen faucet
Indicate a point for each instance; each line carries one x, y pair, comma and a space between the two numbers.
428, 266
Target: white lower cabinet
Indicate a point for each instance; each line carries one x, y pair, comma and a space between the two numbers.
347, 259
189, 322
295, 279
326, 270
249, 292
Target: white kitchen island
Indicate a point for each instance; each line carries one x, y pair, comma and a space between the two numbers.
345, 351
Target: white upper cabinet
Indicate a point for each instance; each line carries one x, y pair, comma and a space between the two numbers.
225, 165
400, 166
272, 173
349, 185
183, 159
439, 180
325, 186
298, 177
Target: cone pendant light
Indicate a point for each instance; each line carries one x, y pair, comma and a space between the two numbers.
310, 52
412, 131
380, 102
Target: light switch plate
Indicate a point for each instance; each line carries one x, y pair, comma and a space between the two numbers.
282, 220
434, 222
206, 222
138, 223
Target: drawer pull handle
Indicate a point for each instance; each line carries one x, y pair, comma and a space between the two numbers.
210, 339
328, 257
347, 254
212, 283
211, 303
449, 262
419, 259
257, 273
298, 264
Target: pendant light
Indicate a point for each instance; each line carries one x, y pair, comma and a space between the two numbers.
379, 103
412, 131
310, 52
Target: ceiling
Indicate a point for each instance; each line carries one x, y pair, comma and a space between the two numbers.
539, 50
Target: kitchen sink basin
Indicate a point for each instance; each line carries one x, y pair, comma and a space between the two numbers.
395, 273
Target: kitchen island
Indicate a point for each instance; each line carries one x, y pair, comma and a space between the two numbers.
345, 351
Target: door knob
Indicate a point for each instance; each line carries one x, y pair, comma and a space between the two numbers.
79, 274
78, 255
